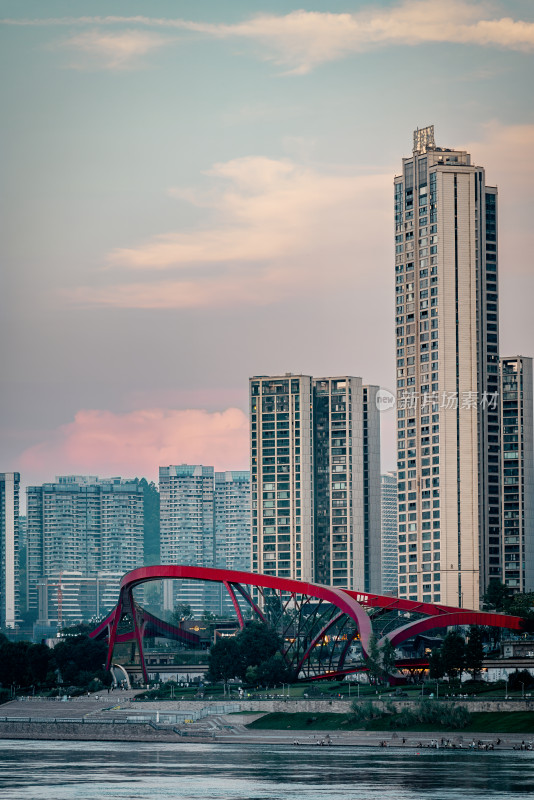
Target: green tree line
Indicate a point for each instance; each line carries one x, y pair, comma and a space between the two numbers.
75, 661
254, 656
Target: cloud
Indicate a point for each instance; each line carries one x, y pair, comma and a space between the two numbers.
303, 39
113, 51
138, 442
272, 230
506, 153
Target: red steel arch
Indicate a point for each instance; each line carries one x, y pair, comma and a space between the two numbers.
457, 617
311, 630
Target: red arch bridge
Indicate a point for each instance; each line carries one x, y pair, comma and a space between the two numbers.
319, 624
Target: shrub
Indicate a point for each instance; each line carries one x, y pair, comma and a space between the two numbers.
363, 712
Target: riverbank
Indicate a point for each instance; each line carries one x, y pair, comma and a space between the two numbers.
227, 734
118, 717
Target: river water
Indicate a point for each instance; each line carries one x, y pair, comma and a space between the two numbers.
31, 770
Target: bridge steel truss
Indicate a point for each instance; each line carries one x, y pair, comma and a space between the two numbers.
318, 623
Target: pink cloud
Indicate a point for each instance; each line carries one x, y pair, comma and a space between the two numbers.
138, 442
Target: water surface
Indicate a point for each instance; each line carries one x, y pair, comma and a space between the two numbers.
133, 771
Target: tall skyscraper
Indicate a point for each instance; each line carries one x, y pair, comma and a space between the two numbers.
315, 472
204, 522
85, 526
517, 473
447, 375
9, 544
390, 563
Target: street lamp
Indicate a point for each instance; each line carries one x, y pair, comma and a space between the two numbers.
522, 690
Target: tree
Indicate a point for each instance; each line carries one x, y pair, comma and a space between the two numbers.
151, 529
251, 675
38, 661
453, 654
257, 643
14, 663
388, 657
182, 611
79, 659
272, 671
474, 651
253, 655
528, 622
22, 663
437, 670
518, 681
79, 629
497, 595
224, 660
374, 659
521, 605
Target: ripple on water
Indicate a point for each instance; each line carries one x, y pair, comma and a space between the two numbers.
115, 771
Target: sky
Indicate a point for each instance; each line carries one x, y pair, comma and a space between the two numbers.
195, 193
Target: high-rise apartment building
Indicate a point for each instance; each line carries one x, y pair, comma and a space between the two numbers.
346, 471
9, 544
84, 525
232, 520
517, 473
315, 480
447, 376
187, 514
204, 522
281, 413
390, 564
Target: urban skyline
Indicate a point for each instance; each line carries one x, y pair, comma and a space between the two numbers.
245, 230
207, 172
449, 378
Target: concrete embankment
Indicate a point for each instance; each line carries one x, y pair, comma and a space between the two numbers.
80, 731
119, 717
318, 706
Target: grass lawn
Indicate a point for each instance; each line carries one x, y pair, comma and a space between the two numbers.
301, 721
481, 721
